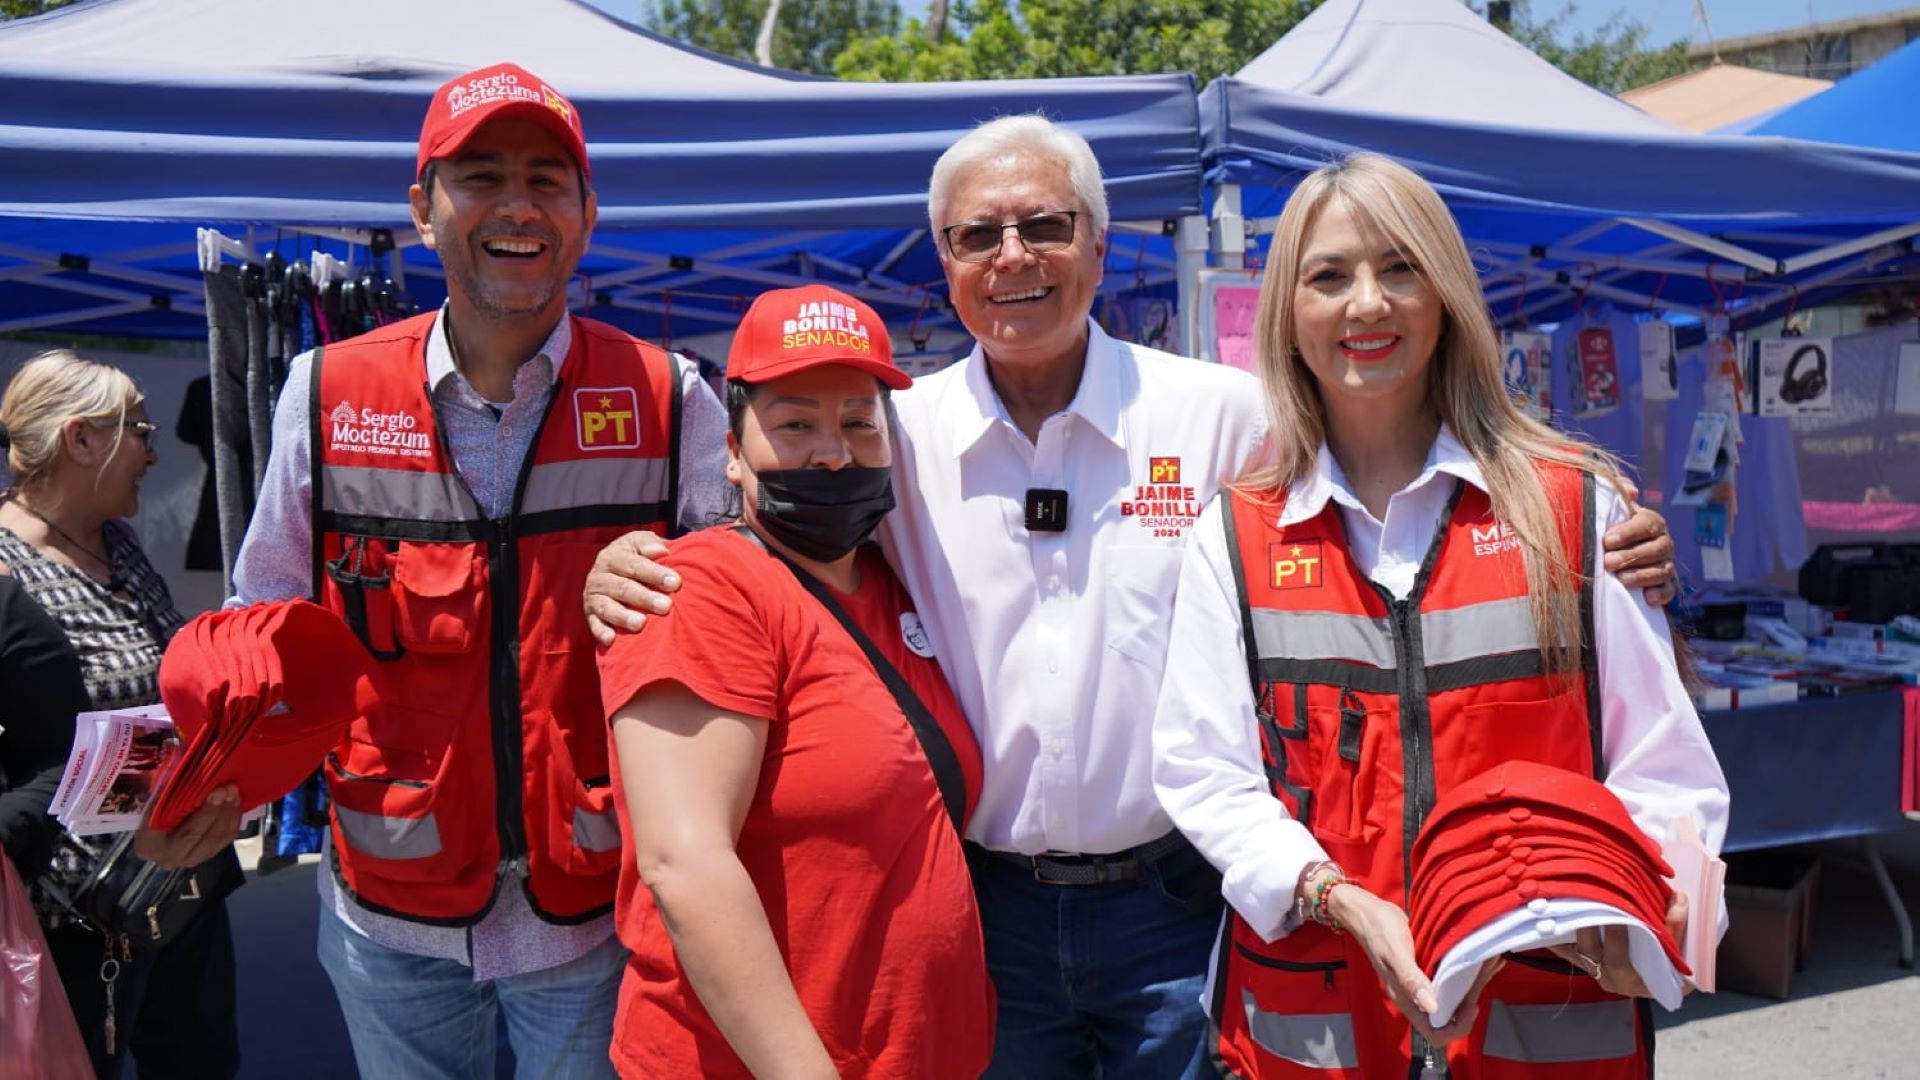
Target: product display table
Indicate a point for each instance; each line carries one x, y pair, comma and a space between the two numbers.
1818, 769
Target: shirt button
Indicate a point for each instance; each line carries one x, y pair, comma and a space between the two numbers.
1053, 665
1053, 584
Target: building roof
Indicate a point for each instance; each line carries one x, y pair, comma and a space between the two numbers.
1722, 94
1702, 50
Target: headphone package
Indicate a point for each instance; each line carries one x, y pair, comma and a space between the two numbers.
1659, 367
1793, 376
1529, 369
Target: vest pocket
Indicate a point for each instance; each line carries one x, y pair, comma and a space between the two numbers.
1293, 1000
439, 593
1540, 1023
1546, 729
1344, 737
394, 823
583, 824
363, 577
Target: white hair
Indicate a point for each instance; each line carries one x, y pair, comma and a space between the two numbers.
1027, 133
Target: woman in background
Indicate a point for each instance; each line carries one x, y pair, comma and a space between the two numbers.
78, 441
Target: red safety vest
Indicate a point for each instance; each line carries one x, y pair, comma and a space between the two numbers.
1368, 708
487, 759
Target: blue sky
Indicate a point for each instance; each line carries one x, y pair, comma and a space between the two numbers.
1670, 19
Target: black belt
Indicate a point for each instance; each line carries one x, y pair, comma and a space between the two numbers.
1061, 868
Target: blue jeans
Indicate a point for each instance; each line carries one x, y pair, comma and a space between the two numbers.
422, 1017
1099, 980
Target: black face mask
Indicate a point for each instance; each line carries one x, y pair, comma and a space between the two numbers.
823, 513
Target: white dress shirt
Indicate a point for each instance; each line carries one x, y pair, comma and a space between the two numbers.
1055, 641
1207, 767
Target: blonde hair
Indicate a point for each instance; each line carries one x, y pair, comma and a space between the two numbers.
1466, 381
51, 389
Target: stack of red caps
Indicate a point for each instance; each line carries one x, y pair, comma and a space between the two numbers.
1523, 832
259, 694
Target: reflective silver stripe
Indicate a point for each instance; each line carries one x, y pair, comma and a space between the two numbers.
562, 485
390, 837
1551, 1034
1489, 629
390, 493
1494, 628
1316, 1040
596, 832
1322, 635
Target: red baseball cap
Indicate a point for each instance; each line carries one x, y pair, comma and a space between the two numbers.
461, 106
259, 694
791, 330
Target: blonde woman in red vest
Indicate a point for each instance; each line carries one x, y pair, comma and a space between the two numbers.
1406, 596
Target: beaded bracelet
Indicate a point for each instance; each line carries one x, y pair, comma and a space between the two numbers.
1315, 907
1320, 892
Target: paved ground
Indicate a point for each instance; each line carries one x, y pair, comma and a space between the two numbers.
1852, 1012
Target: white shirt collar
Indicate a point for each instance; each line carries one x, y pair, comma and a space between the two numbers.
1106, 382
440, 352
1445, 457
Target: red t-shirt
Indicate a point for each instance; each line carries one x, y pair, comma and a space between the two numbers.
856, 862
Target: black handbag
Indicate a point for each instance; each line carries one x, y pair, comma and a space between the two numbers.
144, 905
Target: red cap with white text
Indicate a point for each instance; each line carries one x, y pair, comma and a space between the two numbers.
461, 106
792, 330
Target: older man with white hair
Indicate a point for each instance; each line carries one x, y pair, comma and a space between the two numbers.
1046, 484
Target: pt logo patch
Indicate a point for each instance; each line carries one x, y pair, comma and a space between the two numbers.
915, 635
1296, 565
607, 417
1163, 506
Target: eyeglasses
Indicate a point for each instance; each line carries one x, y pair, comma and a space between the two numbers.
144, 429
979, 241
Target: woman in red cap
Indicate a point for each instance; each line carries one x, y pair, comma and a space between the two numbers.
796, 771
78, 442
1406, 597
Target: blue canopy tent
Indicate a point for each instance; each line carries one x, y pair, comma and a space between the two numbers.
1873, 107
129, 123
1568, 194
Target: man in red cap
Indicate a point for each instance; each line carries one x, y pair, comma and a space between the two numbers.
442, 483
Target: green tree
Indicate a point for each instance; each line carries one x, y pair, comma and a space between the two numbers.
1614, 57
806, 38
20, 9
1019, 39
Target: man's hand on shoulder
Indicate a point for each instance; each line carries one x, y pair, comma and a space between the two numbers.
626, 584
1639, 551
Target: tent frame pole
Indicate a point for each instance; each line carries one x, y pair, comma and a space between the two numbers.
1190, 242
1711, 245
1229, 235
1851, 247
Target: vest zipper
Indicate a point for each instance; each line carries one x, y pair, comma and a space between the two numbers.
1325, 967
1415, 755
504, 686
503, 577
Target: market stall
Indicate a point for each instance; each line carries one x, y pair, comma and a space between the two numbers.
1629, 260
132, 122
